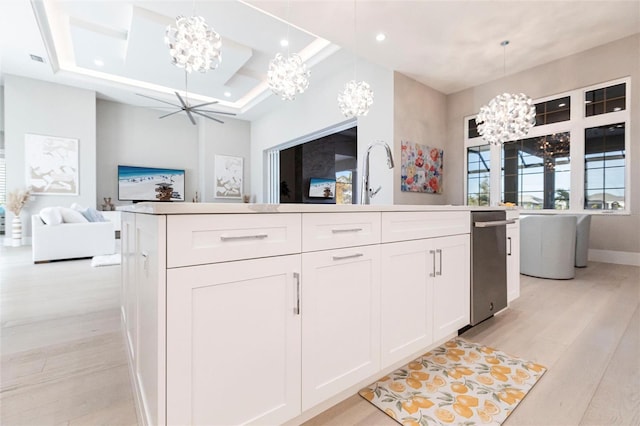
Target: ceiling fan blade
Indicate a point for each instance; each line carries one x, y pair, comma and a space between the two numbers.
193, 120
171, 113
156, 99
204, 104
209, 117
213, 112
184, 104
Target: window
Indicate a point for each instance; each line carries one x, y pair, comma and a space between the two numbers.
570, 160
553, 111
536, 172
604, 163
478, 170
605, 100
344, 187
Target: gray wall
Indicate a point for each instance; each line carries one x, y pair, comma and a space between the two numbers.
34, 106
603, 63
419, 116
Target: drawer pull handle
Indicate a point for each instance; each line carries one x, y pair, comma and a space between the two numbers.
244, 237
296, 310
342, 231
349, 256
433, 263
439, 251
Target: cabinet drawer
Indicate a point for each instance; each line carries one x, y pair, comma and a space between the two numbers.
336, 230
200, 239
404, 226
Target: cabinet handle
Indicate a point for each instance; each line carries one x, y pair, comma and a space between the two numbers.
349, 256
340, 231
439, 251
433, 253
296, 310
509, 239
244, 237
145, 255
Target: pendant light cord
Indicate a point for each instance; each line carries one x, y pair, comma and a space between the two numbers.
355, 41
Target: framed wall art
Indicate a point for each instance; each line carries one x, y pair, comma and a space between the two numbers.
51, 165
228, 174
421, 168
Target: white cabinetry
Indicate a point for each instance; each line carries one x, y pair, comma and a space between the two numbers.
407, 292
260, 318
513, 259
425, 282
451, 288
233, 342
340, 320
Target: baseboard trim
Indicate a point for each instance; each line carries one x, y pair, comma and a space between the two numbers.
617, 257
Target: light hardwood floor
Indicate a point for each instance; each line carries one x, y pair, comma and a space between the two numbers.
63, 358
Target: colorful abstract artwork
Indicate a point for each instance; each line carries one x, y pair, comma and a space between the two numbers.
421, 168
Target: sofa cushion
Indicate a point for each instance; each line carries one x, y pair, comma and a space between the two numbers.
93, 215
51, 215
72, 216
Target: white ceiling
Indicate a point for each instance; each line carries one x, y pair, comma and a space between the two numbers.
447, 45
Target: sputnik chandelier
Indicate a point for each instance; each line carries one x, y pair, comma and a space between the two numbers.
357, 97
288, 76
506, 117
193, 45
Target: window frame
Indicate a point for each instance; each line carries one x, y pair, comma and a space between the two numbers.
576, 126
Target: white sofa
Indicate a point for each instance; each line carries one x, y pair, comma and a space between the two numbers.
71, 240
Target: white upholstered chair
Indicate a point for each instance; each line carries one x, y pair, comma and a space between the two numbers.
548, 246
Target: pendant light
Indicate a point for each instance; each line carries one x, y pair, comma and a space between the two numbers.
357, 97
507, 116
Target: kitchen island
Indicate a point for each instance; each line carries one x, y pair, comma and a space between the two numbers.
245, 313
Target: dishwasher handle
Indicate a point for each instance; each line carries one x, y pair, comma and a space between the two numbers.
493, 223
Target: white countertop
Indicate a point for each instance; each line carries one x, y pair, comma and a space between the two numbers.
235, 208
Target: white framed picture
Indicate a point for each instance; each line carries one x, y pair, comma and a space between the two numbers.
51, 164
228, 175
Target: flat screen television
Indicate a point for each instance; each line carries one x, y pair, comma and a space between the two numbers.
150, 184
322, 188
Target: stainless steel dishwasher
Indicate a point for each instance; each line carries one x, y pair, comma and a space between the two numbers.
488, 264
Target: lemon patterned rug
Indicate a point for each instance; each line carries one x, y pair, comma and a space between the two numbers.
457, 383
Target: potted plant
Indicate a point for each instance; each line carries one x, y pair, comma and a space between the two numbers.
16, 200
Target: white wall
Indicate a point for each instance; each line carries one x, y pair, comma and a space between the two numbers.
232, 138
135, 136
607, 62
317, 109
34, 106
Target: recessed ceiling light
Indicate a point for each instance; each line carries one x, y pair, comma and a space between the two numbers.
587, 102
616, 109
284, 42
36, 58
562, 104
99, 62
227, 94
381, 37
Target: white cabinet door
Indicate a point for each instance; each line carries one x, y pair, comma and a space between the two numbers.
150, 263
406, 295
513, 261
233, 342
340, 320
129, 302
451, 285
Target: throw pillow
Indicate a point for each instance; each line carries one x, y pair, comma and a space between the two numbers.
51, 215
93, 215
72, 216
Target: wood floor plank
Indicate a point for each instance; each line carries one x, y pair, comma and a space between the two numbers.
616, 401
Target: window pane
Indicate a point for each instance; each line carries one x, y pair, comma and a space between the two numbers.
538, 175
605, 167
478, 170
553, 111
473, 128
608, 99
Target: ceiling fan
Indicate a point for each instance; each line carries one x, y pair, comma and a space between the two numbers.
190, 109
